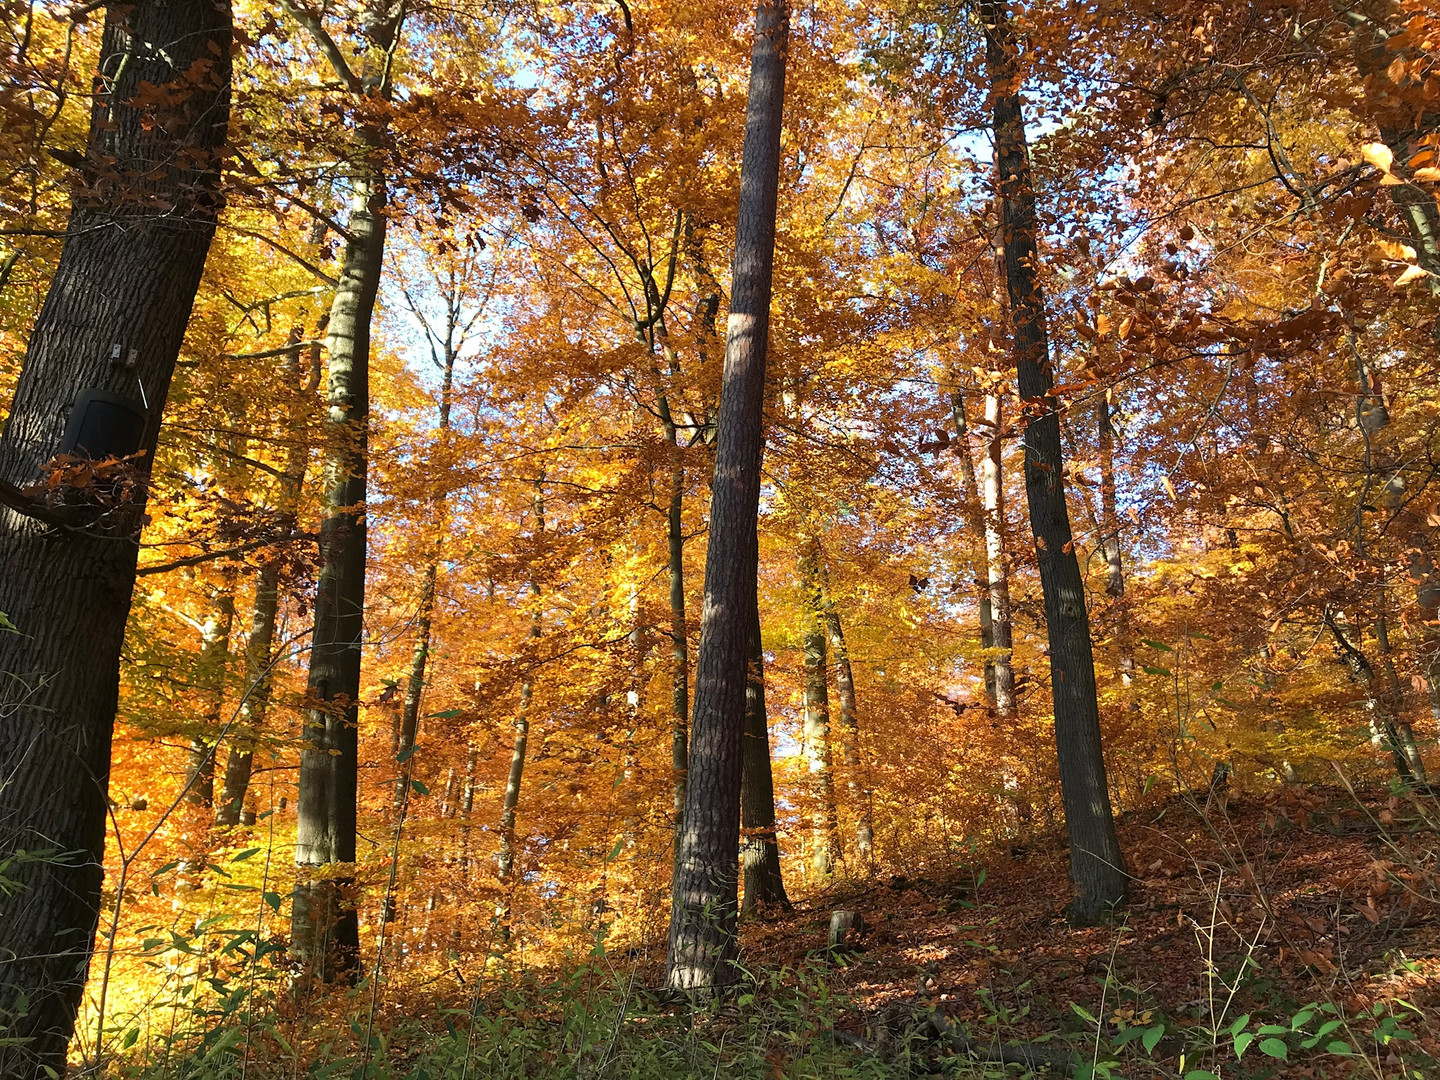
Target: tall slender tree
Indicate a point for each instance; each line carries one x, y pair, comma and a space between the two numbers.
1097, 868
99, 364
825, 834
703, 907
324, 925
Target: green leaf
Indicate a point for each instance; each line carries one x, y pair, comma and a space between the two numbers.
1156, 645
1238, 1024
1151, 1037
1273, 1029
1155, 670
1274, 1048
446, 714
1339, 1046
131, 1038
273, 899
405, 755
1242, 1042
1079, 1011
1201, 1074
419, 788
1301, 1018
1149, 783
246, 854
6, 624
615, 851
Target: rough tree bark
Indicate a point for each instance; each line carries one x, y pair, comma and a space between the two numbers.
1110, 534
324, 923
143, 213
1097, 867
703, 911
760, 847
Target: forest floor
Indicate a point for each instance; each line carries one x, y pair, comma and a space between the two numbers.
1312, 897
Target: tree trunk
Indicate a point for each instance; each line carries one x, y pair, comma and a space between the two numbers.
703, 912
997, 564
324, 924
1401, 128
759, 847
260, 646
679, 630
505, 860
856, 786
1096, 865
825, 833
113, 320
214, 664
975, 514
415, 682
1110, 538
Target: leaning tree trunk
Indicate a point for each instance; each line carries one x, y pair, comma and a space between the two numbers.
975, 519
703, 911
260, 646
143, 215
1097, 867
824, 831
759, 846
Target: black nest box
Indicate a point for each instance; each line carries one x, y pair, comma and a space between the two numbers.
103, 425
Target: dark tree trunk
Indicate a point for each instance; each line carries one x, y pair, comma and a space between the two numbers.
703, 911
825, 832
1097, 867
759, 848
143, 215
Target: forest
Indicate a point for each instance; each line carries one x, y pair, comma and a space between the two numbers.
615, 539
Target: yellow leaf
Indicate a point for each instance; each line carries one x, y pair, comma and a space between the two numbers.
1169, 487
1379, 155
1427, 173
1411, 273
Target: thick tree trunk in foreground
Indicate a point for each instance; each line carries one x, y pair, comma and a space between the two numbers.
825, 832
1096, 866
759, 847
113, 320
703, 912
